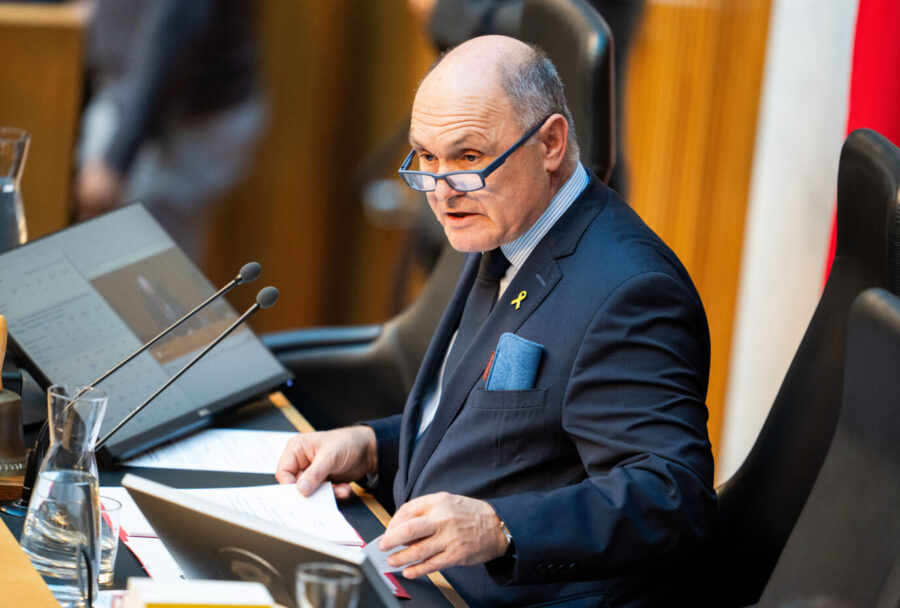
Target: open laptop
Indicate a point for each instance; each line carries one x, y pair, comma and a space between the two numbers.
82, 299
209, 541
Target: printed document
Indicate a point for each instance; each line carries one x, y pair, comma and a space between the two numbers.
283, 504
234, 450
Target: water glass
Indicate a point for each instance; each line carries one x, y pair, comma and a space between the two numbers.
13, 151
59, 536
110, 521
326, 585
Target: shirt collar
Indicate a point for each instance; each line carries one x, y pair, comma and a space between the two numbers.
517, 251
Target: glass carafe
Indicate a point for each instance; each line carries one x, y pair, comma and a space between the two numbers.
62, 528
13, 150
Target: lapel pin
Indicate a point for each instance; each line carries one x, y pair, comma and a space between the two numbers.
518, 301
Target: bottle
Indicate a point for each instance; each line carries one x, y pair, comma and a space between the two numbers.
61, 536
12, 440
13, 150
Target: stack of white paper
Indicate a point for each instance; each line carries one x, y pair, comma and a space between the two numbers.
283, 504
243, 451
232, 450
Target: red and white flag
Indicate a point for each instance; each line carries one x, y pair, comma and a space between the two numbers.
815, 51
875, 76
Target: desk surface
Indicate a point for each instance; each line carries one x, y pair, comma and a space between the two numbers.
362, 511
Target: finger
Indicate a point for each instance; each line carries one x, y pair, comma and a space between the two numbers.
285, 477
406, 533
417, 507
314, 475
290, 462
417, 552
342, 490
433, 564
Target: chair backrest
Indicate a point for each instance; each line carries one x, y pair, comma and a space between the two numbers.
578, 41
847, 538
760, 504
348, 374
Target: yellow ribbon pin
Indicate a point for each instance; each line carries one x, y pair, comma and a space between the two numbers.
518, 301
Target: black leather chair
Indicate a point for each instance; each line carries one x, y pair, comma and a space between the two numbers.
760, 504
577, 39
347, 374
454, 21
847, 539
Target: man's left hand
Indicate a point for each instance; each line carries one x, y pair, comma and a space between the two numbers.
443, 530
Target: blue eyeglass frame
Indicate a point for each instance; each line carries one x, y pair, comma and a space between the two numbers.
482, 173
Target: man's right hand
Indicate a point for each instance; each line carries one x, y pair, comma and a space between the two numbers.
340, 455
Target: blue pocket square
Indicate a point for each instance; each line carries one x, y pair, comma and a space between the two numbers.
515, 364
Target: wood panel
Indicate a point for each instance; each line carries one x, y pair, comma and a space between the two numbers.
41, 50
340, 77
692, 99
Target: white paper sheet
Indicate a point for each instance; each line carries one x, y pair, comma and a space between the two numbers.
158, 563
379, 557
234, 450
317, 514
283, 504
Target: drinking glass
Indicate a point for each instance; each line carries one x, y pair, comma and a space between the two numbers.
325, 585
110, 521
59, 534
13, 151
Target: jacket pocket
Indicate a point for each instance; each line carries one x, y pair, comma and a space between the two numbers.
508, 400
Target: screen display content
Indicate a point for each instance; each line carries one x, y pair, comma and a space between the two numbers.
79, 301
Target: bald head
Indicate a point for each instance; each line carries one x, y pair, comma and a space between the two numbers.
512, 77
477, 66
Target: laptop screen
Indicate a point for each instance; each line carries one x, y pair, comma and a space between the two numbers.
80, 300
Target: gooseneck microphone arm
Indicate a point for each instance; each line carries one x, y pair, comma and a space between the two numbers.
264, 299
249, 272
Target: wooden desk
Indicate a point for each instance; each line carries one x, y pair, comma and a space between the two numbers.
11, 487
262, 416
20, 582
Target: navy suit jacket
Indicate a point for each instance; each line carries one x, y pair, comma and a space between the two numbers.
603, 471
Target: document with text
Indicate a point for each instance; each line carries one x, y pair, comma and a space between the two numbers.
233, 450
282, 504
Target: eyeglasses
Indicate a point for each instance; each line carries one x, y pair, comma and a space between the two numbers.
461, 181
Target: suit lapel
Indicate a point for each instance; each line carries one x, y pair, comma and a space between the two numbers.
432, 360
537, 278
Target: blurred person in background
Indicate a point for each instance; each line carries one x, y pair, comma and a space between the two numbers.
175, 111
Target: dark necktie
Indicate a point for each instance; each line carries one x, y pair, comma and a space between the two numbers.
481, 300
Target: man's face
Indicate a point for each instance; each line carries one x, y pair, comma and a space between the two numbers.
466, 132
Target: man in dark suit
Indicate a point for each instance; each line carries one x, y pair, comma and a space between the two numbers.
587, 478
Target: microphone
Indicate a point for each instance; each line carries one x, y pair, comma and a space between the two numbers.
249, 272
266, 297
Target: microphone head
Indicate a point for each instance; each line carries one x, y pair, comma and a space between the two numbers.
267, 297
249, 272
